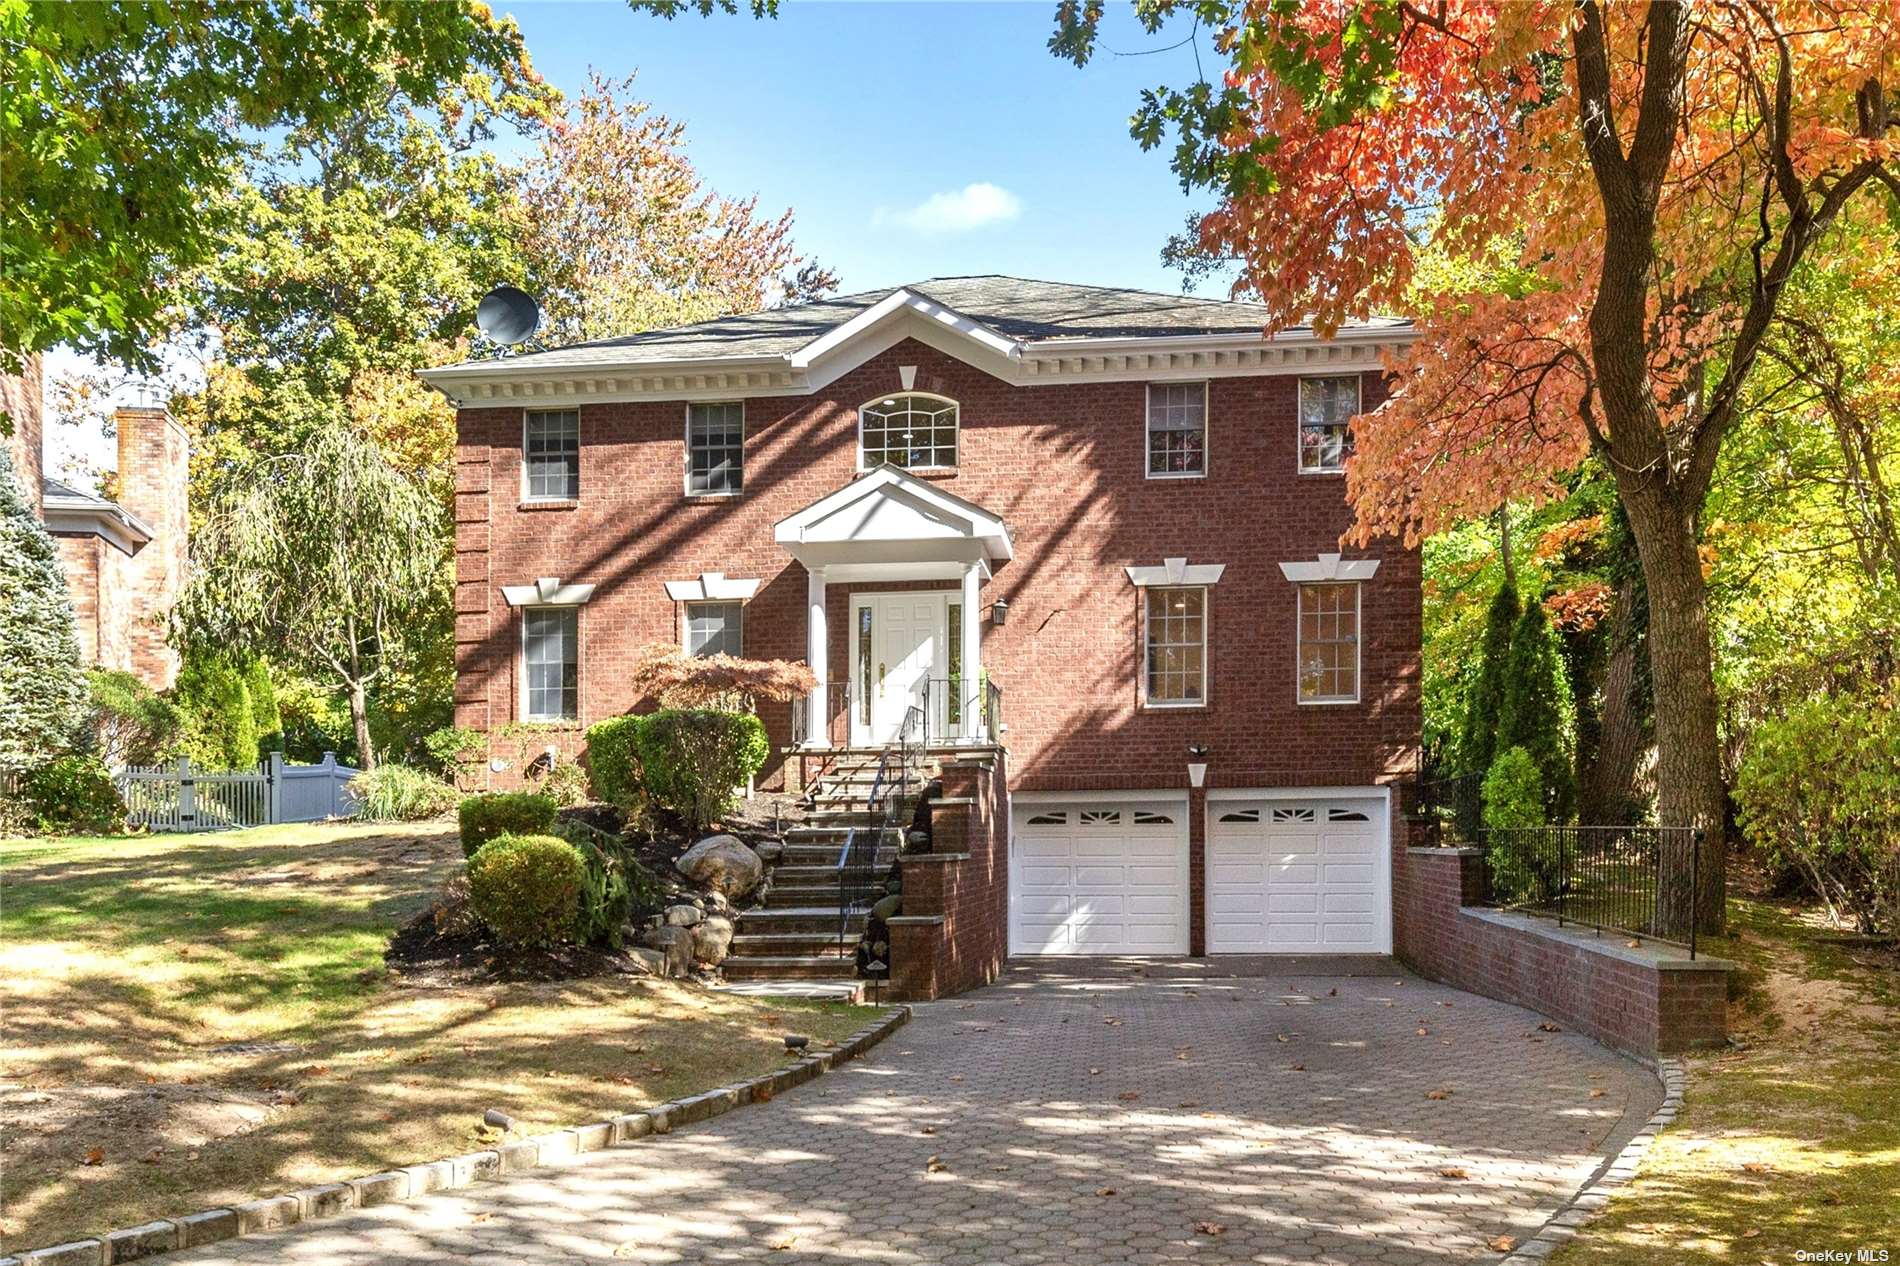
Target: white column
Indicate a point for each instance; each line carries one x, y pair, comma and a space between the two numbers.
971, 687
817, 730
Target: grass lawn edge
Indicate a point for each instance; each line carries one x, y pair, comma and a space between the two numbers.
274, 1213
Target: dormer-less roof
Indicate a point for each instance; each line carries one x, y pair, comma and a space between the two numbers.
70, 512
1020, 330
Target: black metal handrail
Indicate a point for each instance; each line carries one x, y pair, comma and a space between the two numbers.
1608, 878
899, 768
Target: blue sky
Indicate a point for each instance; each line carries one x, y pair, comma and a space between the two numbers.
856, 114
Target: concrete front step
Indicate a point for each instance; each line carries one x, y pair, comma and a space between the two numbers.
794, 944
822, 874
814, 896
818, 919
790, 967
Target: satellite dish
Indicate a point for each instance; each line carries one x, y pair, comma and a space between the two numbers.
509, 315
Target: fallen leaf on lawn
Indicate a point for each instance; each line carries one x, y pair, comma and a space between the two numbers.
621, 1079
765, 1017
1503, 1243
1208, 1228
1440, 1093
928, 1129
1453, 1171
1129, 1096
1751, 1232
762, 1093
1634, 944
1423, 1032
1755, 1167
152, 1157
956, 1076
1299, 1068
94, 1156
481, 1217
784, 1245
1281, 1037
658, 1070
1548, 1027
1598, 1092
385, 1116
315, 1070
1104, 1191
287, 1098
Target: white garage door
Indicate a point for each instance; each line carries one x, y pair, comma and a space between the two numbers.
1299, 876
1099, 878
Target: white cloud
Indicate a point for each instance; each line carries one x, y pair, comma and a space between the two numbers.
974, 206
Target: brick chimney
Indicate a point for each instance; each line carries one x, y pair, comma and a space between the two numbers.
21, 399
154, 460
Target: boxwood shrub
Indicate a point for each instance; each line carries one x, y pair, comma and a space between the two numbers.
527, 889
498, 813
613, 762
695, 762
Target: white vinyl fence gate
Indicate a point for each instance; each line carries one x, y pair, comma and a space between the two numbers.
179, 797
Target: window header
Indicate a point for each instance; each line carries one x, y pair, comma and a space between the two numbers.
1176, 571
547, 592
1330, 567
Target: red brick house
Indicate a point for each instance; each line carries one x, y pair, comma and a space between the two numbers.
1091, 535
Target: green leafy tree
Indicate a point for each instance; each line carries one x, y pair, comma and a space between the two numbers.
266, 719
1535, 708
218, 730
323, 559
42, 688
123, 122
1478, 736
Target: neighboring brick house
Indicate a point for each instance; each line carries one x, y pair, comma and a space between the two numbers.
1092, 532
124, 559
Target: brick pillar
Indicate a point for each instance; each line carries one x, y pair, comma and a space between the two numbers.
473, 593
154, 465
21, 399
1197, 871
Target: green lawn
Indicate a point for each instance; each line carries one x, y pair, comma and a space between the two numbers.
1792, 1142
124, 961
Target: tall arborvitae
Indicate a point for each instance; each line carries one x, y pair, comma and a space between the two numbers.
42, 686
1477, 737
1533, 712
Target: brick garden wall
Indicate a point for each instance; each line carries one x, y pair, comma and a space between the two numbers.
1649, 1000
953, 934
1064, 465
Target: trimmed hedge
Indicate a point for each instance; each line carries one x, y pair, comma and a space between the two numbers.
499, 813
73, 793
527, 889
694, 762
613, 761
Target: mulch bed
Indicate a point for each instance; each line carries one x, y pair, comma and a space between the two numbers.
422, 957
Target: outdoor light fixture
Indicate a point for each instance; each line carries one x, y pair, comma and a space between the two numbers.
1197, 765
999, 613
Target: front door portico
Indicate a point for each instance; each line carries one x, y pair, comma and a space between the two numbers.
890, 527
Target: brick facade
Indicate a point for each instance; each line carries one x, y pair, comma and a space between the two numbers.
21, 399
1648, 999
154, 467
1064, 466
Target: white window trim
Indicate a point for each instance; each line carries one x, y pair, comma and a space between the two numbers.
686, 473
1299, 421
1358, 647
928, 395
712, 586
686, 618
1176, 571
1147, 434
548, 591
1330, 567
521, 663
558, 501
1207, 647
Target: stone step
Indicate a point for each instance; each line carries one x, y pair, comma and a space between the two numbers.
790, 967
808, 919
793, 944
803, 897
824, 855
823, 874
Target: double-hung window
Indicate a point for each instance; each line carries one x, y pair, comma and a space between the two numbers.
1177, 430
715, 628
551, 662
1175, 642
1328, 645
715, 449
551, 455
911, 429
1327, 406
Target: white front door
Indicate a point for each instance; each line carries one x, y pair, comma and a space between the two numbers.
899, 642
1287, 876
1099, 877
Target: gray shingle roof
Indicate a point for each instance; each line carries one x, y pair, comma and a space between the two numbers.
1015, 307
52, 487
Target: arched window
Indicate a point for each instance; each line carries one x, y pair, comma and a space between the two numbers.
909, 429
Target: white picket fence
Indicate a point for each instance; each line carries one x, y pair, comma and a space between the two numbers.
180, 797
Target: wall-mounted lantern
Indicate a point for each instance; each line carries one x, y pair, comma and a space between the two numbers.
999, 613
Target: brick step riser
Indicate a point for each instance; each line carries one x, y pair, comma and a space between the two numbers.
802, 969
815, 897
791, 944
769, 923
817, 874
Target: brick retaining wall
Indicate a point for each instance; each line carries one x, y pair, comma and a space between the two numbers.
1649, 999
953, 933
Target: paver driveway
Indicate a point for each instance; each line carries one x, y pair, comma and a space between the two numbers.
1119, 1113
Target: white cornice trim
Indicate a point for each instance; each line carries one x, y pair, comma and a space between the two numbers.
1176, 571
713, 586
1330, 567
548, 591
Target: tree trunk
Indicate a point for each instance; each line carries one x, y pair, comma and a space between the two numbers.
359, 717
1609, 784
1689, 788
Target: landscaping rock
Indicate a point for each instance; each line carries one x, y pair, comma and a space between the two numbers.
712, 940
674, 942
722, 862
683, 916
653, 960
887, 908
769, 851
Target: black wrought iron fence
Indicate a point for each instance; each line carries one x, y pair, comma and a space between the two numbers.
1442, 809
899, 775
1608, 878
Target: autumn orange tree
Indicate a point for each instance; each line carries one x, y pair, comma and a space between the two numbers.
1656, 175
